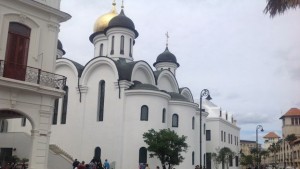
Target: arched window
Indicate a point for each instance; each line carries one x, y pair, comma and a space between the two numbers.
101, 96
175, 120
3, 126
23, 122
143, 155
164, 115
101, 50
64, 106
55, 111
112, 45
17, 48
144, 113
122, 45
97, 154
193, 123
193, 158
204, 128
130, 46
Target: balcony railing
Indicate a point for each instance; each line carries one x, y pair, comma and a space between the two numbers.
32, 75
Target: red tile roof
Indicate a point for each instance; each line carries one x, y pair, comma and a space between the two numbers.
271, 135
292, 112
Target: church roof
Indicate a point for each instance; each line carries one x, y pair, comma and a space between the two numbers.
122, 21
177, 97
271, 135
138, 85
166, 56
124, 69
78, 66
291, 113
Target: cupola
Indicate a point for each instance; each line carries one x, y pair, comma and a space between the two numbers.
124, 22
166, 56
121, 33
98, 38
166, 60
103, 21
60, 51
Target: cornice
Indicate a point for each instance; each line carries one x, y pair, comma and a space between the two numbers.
62, 16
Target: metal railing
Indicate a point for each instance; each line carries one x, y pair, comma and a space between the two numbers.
32, 75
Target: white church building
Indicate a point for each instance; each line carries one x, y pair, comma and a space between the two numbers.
103, 108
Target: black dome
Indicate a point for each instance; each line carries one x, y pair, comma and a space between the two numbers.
60, 46
166, 56
122, 21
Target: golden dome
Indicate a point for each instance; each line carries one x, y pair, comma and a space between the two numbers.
102, 22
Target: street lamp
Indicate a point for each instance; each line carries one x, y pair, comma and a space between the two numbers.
204, 93
261, 129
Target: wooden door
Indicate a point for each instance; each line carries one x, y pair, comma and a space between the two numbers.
17, 51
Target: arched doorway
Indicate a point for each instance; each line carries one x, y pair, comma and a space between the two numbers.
15, 129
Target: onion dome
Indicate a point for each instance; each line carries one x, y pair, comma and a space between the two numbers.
60, 46
122, 21
103, 21
166, 56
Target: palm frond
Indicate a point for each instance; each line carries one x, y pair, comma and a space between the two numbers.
275, 7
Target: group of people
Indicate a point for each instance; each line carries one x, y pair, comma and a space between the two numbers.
199, 167
14, 166
94, 164
144, 166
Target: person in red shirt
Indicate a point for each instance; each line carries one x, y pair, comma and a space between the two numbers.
81, 165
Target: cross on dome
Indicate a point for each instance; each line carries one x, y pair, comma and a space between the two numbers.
167, 36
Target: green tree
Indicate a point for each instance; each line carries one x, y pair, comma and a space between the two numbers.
246, 160
216, 160
290, 139
264, 154
275, 7
223, 155
254, 152
274, 148
166, 145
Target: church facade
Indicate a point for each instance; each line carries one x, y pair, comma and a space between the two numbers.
113, 100
109, 102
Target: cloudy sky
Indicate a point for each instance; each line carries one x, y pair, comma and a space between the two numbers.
248, 61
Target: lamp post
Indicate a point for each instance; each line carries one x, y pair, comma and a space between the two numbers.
204, 93
257, 152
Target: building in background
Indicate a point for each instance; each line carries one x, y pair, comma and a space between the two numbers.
289, 155
28, 84
269, 139
221, 131
247, 146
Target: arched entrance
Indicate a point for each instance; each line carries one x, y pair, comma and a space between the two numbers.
16, 141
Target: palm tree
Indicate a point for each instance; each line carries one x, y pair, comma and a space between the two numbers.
290, 139
275, 7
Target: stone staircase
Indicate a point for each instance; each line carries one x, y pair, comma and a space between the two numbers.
57, 150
